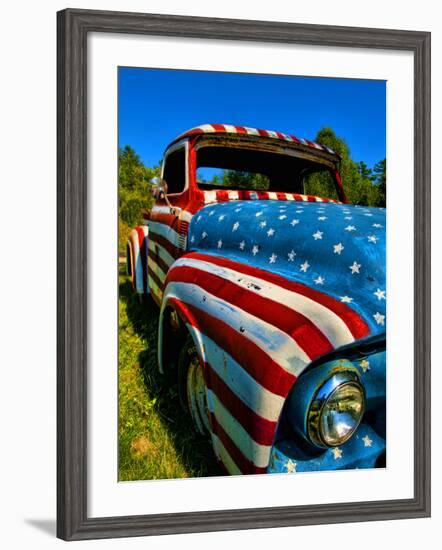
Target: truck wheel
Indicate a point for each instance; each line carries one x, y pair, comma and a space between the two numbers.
192, 388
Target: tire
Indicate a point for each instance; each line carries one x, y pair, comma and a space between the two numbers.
191, 386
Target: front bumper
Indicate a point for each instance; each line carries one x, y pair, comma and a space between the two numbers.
362, 450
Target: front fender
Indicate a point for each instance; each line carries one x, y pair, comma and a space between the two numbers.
137, 258
256, 333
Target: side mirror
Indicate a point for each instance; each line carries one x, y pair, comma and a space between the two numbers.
159, 188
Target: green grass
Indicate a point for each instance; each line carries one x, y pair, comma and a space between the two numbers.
156, 437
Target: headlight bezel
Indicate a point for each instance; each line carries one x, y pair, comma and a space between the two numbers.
337, 381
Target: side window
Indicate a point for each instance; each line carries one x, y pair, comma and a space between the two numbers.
175, 171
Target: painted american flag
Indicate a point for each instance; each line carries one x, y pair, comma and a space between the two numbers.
267, 287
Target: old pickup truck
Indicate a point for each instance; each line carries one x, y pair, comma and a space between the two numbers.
273, 300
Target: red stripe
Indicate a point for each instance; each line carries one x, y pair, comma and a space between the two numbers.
241, 130
222, 195
260, 429
143, 254
294, 138
219, 127
243, 463
296, 325
357, 326
262, 132
253, 359
165, 243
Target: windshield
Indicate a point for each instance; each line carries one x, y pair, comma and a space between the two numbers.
264, 170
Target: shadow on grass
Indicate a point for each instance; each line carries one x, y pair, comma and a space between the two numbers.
194, 451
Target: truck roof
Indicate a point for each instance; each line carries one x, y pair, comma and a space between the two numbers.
246, 130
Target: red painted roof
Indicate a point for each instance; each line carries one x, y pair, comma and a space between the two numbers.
230, 129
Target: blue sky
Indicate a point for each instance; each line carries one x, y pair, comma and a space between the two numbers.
156, 105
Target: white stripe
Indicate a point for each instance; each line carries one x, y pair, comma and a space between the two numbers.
278, 345
156, 269
205, 128
290, 197
209, 196
287, 137
262, 401
273, 196
224, 456
138, 262
231, 129
251, 131
318, 199
328, 322
165, 231
253, 451
272, 134
156, 248
185, 216
233, 195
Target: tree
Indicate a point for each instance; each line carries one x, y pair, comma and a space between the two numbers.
134, 186
380, 179
356, 177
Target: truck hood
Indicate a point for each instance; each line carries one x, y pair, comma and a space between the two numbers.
338, 249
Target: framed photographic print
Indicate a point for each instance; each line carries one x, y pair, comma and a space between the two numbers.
242, 205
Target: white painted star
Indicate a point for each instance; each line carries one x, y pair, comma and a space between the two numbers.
291, 255
220, 243
338, 248
198, 218
192, 239
379, 318
203, 235
260, 213
294, 222
263, 224
369, 215
377, 225
346, 299
270, 232
372, 239
365, 365
211, 212
237, 209
367, 441
220, 218
337, 453
305, 266
242, 245
317, 235
322, 218
235, 226
272, 259
350, 228
355, 268
283, 217
319, 280
380, 294
290, 466
348, 218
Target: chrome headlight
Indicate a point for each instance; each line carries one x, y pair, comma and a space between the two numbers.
336, 410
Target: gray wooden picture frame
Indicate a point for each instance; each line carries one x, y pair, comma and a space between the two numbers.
73, 28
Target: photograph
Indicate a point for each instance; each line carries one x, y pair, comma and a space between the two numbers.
252, 274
